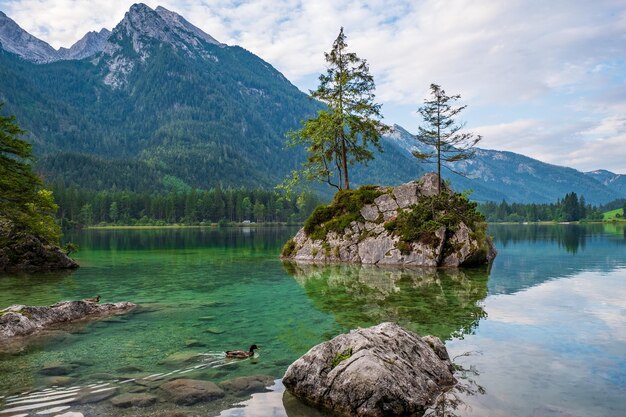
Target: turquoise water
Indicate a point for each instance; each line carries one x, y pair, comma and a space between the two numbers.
546, 325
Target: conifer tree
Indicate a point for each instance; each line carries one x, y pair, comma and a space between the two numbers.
441, 134
23, 201
346, 131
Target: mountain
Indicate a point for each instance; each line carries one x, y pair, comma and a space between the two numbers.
615, 182
157, 104
90, 44
160, 96
16, 40
499, 175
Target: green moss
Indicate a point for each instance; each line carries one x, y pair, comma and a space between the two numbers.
343, 210
288, 248
404, 247
340, 357
326, 247
421, 222
314, 252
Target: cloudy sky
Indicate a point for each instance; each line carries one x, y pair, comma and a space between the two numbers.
543, 78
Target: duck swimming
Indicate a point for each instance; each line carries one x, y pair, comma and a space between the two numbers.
241, 354
92, 300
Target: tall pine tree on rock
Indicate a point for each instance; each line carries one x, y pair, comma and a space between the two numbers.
348, 129
441, 133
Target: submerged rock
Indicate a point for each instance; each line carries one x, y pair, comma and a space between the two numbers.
246, 385
55, 369
21, 320
383, 370
191, 391
134, 400
20, 251
405, 225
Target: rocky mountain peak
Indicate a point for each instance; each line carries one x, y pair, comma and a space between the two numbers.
141, 23
90, 44
142, 28
16, 40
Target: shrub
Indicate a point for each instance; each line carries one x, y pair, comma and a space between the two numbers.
422, 220
343, 210
288, 248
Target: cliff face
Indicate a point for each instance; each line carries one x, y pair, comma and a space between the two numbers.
406, 225
23, 252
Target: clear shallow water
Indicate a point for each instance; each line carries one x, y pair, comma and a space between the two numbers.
548, 319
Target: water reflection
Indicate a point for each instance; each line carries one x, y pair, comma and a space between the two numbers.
532, 254
261, 239
572, 237
446, 303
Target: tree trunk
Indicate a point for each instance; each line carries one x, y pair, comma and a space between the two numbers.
344, 160
438, 147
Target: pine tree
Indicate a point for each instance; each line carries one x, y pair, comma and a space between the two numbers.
347, 130
442, 134
23, 201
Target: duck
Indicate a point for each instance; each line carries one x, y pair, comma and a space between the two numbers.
241, 354
92, 300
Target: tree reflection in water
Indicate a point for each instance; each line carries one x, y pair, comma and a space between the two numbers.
442, 302
451, 401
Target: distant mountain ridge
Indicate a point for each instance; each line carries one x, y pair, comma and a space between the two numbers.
157, 102
16, 40
501, 175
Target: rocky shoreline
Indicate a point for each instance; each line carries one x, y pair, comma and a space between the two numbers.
22, 321
23, 252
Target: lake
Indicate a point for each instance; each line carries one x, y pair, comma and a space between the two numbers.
540, 333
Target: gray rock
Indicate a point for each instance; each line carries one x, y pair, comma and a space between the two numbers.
391, 372
385, 203
370, 212
21, 320
467, 249
191, 391
406, 194
368, 241
247, 384
134, 400
373, 250
427, 185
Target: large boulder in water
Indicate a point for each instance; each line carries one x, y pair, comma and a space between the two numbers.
383, 370
24, 252
410, 225
21, 320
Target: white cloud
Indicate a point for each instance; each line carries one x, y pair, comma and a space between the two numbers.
512, 54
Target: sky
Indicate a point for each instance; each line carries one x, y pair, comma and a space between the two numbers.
545, 78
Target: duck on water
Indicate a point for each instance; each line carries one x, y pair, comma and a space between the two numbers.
241, 354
